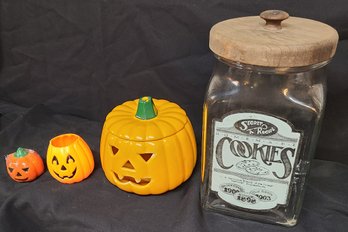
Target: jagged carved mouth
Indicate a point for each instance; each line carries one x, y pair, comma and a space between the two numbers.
125, 179
67, 177
21, 179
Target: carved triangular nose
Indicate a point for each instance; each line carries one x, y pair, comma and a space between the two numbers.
128, 165
18, 174
63, 168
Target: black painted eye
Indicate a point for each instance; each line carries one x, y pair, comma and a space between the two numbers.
25, 169
55, 160
69, 159
146, 156
114, 150
10, 169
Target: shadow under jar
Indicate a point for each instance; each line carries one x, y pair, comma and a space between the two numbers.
262, 114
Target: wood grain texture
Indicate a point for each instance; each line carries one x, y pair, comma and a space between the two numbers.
299, 42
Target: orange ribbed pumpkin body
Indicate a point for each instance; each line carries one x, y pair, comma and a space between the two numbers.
26, 168
148, 156
69, 159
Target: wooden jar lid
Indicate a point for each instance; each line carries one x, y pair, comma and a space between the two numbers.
274, 39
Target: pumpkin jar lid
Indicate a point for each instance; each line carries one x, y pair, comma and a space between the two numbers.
273, 39
146, 119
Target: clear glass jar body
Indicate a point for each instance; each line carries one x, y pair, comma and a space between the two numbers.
260, 128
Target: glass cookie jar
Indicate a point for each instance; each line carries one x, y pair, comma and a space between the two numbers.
262, 114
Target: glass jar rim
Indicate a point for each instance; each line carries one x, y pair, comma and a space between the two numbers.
273, 70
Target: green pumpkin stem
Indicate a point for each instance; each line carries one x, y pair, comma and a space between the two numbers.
21, 152
146, 108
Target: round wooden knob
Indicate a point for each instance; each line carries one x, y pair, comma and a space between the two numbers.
274, 18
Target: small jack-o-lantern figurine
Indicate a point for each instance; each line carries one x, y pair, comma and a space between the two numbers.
147, 146
69, 158
24, 165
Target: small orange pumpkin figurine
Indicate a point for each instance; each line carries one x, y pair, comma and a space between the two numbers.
69, 159
24, 165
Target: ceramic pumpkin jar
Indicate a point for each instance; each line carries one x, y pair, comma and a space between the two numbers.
69, 159
147, 146
24, 165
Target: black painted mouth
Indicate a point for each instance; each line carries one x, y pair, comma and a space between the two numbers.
21, 179
125, 179
66, 177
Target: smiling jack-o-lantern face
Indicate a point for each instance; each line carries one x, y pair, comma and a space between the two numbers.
147, 155
24, 165
64, 166
126, 169
69, 158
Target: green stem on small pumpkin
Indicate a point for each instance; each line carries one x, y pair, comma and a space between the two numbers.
146, 109
21, 152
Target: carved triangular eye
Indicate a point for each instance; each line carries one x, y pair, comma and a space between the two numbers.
114, 150
10, 169
146, 156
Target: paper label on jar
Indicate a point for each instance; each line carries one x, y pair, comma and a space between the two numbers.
253, 160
